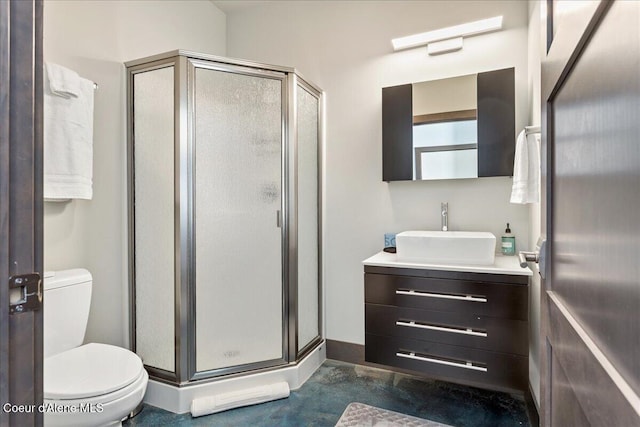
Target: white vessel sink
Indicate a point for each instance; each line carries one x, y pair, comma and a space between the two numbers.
446, 247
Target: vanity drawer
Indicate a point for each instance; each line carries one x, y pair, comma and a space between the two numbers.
494, 299
456, 328
453, 362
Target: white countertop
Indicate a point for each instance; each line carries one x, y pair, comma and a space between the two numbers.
502, 265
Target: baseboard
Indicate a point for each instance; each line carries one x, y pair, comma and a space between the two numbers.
345, 352
532, 408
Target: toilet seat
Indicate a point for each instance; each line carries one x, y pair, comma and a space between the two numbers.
90, 371
99, 411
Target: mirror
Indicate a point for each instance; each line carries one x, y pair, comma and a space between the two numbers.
459, 127
445, 134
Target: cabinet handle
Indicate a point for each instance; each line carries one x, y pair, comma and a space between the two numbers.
413, 324
443, 296
465, 365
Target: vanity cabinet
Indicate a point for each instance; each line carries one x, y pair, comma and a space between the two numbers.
465, 326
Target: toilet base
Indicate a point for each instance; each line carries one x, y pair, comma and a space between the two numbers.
135, 412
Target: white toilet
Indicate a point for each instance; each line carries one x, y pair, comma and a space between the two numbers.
84, 385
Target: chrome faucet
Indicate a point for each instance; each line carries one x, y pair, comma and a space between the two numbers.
444, 212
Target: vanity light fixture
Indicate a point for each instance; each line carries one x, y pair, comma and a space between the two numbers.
452, 35
444, 46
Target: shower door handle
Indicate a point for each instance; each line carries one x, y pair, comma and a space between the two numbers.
278, 218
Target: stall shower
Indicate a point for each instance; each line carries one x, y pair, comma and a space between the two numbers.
225, 219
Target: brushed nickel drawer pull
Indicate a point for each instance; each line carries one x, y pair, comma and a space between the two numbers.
465, 365
443, 296
419, 325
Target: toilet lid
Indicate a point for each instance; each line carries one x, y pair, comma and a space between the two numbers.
89, 370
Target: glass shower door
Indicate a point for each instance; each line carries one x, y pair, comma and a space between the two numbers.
237, 200
154, 230
308, 208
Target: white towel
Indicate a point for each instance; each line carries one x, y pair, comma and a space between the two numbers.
63, 81
526, 169
68, 135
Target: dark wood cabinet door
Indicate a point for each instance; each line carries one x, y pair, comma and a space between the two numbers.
397, 133
496, 123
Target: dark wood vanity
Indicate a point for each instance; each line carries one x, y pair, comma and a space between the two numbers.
454, 325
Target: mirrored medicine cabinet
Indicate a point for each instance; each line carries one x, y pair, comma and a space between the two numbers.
459, 127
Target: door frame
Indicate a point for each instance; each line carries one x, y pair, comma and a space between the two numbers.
21, 207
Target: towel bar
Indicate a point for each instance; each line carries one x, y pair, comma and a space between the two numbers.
531, 129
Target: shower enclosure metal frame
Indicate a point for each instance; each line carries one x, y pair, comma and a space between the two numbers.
184, 64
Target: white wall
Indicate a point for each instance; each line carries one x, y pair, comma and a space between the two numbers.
95, 38
345, 48
536, 46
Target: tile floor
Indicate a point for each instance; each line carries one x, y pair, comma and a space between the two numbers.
323, 398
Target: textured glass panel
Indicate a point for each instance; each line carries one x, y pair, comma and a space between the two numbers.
307, 106
154, 220
238, 149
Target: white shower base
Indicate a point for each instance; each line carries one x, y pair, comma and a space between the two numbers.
178, 399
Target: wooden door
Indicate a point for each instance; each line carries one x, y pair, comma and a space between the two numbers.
20, 212
590, 337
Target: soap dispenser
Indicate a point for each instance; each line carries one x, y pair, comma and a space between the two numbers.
508, 242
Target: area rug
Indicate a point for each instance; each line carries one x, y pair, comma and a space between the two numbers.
361, 415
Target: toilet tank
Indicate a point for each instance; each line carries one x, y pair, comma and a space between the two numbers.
67, 298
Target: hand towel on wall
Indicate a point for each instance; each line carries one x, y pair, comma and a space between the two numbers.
526, 169
63, 81
68, 134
